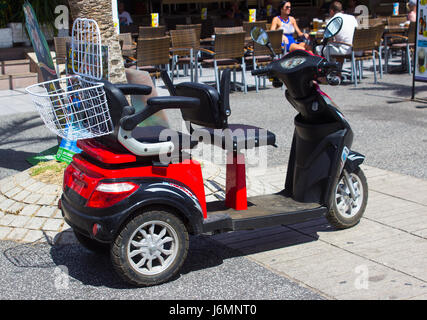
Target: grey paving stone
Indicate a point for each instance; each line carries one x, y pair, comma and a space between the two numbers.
53, 225
46, 211
21, 195
12, 192
4, 205
16, 208
30, 210
47, 199
32, 198
35, 223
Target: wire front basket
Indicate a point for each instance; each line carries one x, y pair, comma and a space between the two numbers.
73, 107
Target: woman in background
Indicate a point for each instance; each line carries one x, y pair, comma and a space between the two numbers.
289, 25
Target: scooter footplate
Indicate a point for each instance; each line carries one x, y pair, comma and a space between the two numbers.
263, 211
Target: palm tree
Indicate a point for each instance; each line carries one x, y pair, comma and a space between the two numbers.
101, 12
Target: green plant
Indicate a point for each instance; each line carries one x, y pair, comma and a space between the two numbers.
44, 9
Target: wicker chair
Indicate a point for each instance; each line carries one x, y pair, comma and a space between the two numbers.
197, 27
152, 54
61, 53
226, 30
152, 32
247, 26
395, 21
229, 48
127, 45
365, 47
404, 43
261, 55
185, 50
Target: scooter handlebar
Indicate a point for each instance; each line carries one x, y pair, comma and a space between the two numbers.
260, 71
326, 67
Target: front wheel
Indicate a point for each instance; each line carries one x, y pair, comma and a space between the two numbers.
150, 248
349, 200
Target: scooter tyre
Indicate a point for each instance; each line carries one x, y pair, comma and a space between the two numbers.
120, 248
337, 219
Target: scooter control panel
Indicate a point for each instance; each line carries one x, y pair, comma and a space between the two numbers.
292, 62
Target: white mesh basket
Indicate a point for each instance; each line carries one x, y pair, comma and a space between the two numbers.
72, 107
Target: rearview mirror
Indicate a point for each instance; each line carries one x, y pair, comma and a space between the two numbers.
259, 36
334, 26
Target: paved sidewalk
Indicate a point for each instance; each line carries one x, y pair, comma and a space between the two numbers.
384, 257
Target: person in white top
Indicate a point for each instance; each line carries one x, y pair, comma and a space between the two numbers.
337, 45
124, 16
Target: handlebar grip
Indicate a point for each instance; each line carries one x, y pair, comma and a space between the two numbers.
259, 72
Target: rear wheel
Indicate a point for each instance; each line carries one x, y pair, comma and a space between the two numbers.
150, 248
347, 209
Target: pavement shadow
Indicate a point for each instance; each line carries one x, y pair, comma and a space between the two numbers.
22, 133
205, 251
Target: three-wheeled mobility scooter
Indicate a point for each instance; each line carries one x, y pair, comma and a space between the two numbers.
118, 195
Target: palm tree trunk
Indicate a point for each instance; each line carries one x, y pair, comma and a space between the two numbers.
101, 12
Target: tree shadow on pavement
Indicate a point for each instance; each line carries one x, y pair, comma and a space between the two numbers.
22, 137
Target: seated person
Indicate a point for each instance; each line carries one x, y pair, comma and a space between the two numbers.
412, 8
345, 35
289, 25
124, 16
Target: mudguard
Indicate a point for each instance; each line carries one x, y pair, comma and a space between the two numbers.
173, 194
354, 160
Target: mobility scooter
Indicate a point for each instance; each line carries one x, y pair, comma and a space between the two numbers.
119, 196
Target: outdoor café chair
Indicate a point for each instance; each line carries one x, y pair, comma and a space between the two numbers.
153, 55
185, 51
128, 46
404, 43
365, 47
229, 51
261, 55
152, 32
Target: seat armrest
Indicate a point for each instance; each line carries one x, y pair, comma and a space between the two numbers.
155, 104
134, 89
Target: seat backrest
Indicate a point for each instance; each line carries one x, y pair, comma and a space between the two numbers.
225, 30
378, 30
152, 32
229, 45
275, 37
214, 108
61, 48
364, 39
116, 101
184, 38
247, 26
395, 21
197, 27
126, 38
154, 51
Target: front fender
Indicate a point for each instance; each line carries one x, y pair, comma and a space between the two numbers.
354, 160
